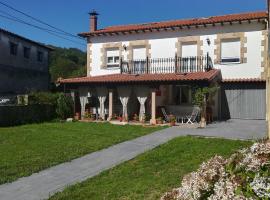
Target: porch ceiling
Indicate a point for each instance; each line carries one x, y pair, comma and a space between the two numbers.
208, 76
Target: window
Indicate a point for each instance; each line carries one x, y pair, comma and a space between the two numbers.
13, 48
113, 59
26, 52
40, 56
189, 50
230, 51
183, 94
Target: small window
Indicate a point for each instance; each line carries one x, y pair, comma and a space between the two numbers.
13, 48
113, 59
183, 94
40, 56
26, 52
230, 51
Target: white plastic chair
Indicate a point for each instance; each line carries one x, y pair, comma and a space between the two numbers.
191, 119
166, 117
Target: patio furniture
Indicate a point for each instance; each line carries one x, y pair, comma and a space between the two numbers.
191, 119
166, 117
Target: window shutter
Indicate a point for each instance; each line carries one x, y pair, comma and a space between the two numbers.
189, 50
112, 52
139, 53
231, 51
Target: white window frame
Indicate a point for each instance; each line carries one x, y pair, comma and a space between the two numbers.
228, 62
115, 58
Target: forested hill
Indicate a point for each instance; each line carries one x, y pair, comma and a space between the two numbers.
67, 63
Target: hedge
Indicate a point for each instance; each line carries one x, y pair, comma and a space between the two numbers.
20, 114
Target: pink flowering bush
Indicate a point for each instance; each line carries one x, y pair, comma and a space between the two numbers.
244, 176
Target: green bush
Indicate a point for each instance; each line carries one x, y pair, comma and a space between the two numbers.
26, 114
64, 108
43, 98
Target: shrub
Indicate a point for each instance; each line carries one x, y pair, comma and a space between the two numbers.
244, 176
64, 108
43, 98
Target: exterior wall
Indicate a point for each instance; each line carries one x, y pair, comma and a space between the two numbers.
19, 74
164, 44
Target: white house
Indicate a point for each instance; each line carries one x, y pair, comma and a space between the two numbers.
143, 67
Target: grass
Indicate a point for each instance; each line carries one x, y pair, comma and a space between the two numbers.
148, 176
31, 148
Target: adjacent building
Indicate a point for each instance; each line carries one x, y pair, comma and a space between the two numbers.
140, 68
23, 64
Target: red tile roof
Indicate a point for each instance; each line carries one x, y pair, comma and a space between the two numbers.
243, 80
128, 78
179, 23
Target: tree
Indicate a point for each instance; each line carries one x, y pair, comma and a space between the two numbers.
201, 98
64, 107
67, 63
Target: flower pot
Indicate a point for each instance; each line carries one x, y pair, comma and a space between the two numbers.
172, 123
77, 116
159, 122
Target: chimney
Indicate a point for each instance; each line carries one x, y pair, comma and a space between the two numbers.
93, 20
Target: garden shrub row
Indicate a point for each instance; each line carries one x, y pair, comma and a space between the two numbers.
25, 114
42, 107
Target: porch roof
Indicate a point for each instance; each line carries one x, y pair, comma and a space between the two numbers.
131, 78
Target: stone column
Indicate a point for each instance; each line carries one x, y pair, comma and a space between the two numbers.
110, 104
153, 108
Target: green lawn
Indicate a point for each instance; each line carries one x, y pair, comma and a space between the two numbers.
150, 175
31, 148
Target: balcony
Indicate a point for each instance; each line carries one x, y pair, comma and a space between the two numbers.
167, 65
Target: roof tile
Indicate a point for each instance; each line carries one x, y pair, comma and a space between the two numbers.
128, 78
184, 22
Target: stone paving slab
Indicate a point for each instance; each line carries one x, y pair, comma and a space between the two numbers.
47, 182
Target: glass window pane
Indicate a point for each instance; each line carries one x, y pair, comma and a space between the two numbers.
110, 59
116, 59
184, 95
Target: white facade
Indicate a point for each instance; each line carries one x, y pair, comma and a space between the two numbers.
163, 45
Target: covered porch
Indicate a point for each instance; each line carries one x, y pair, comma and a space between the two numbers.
139, 98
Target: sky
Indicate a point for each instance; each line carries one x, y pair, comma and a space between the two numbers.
72, 15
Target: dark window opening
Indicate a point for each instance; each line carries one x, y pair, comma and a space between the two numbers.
230, 60
40, 56
183, 95
26, 52
13, 48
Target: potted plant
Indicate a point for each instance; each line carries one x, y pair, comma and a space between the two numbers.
114, 117
77, 116
159, 120
120, 118
135, 117
201, 98
143, 119
87, 116
172, 119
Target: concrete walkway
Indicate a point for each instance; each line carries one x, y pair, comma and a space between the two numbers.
231, 129
45, 183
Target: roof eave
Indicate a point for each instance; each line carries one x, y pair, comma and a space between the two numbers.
169, 27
